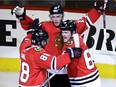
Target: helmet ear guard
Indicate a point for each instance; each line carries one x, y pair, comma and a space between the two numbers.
56, 9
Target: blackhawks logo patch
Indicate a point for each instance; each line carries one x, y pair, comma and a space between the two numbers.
69, 43
59, 42
37, 49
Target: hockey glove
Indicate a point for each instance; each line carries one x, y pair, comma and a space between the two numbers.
19, 12
99, 5
74, 52
34, 26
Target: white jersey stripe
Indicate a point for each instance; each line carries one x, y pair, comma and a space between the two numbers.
86, 79
76, 40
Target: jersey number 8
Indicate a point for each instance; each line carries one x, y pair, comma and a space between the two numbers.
25, 72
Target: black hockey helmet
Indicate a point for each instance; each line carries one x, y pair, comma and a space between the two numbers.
38, 36
56, 9
68, 25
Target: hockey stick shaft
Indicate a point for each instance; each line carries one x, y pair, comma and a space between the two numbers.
104, 19
47, 80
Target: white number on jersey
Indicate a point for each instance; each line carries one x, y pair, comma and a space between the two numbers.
88, 60
25, 72
44, 56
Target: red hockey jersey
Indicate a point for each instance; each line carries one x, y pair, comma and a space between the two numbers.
54, 45
82, 70
34, 62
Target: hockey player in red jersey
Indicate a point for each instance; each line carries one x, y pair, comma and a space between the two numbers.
53, 29
82, 72
35, 60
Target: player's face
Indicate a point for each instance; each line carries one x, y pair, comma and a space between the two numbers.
66, 35
56, 19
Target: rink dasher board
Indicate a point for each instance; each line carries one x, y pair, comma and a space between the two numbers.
9, 55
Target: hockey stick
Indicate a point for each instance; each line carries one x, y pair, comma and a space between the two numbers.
44, 83
104, 19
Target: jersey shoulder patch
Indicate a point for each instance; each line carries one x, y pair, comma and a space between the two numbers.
37, 49
69, 43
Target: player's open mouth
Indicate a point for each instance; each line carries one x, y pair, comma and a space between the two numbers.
64, 38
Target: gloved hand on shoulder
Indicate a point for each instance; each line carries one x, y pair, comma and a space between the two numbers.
34, 26
74, 52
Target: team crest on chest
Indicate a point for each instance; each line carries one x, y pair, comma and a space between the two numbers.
69, 43
37, 49
59, 42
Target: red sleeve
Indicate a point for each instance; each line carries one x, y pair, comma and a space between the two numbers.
91, 17
94, 15
43, 60
62, 60
26, 23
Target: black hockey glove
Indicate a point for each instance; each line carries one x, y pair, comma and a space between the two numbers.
34, 26
74, 52
99, 5
19, 12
